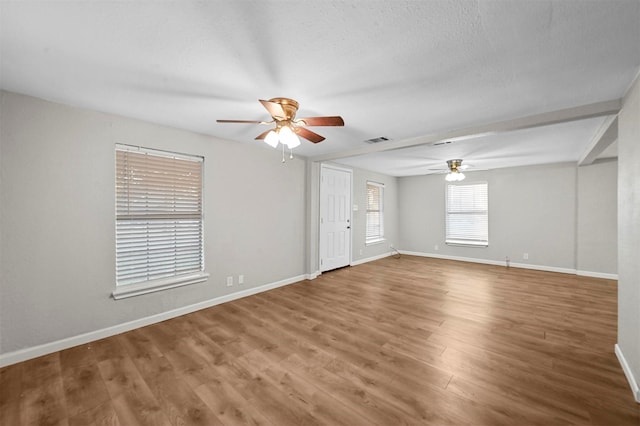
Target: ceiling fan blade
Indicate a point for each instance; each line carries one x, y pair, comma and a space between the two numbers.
323, 121
241, 121
262, 135
309, 135
274, 109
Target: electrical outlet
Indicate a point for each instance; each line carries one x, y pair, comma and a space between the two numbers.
360, 252
436, 247
525, 256
240, 279
229, 281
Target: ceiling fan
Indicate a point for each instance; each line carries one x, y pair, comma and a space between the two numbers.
455, 170
287, 127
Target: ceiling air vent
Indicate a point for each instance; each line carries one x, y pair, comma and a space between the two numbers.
377, 140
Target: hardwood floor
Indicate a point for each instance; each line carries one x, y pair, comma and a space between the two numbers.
392, 342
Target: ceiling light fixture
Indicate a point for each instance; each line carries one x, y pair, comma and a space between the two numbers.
272, 138
288, 137
454, 175
284, 134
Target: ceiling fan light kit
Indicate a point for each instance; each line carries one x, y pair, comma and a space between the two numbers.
272, 138
454, 175
288, 130
287, 137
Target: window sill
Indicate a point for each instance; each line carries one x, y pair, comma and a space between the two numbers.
462, 243
131, 290
373, 242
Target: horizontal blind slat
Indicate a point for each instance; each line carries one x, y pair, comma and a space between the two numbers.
158, 215
374, 228
467, 213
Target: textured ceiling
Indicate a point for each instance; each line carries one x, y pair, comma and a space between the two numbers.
399, 69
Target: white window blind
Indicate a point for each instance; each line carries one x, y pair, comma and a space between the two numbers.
467, 219
375, 213
159, 229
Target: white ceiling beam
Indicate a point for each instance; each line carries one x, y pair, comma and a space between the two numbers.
599, 109
605, 136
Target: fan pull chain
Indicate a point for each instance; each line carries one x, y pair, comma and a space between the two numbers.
290, 154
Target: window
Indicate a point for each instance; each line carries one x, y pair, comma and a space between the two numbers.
375, 214
467, 214
159, 221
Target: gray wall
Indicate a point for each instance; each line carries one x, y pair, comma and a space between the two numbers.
629, 231
562, 216
57, 220
597, 227
532, 210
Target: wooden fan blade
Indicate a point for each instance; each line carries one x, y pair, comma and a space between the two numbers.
323, 121
274, 109
240, 121
263, 135
309, 135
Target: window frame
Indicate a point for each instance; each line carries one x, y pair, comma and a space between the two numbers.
379, 237
468, 241
154, 218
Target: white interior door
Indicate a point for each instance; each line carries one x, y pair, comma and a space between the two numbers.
335, 218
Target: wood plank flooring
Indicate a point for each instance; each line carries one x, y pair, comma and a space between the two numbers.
398, 341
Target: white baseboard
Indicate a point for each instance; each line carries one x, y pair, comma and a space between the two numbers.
515, 265
628, 373
81, 339
597, 275
542, 268
313, 275
370, 259
492, 262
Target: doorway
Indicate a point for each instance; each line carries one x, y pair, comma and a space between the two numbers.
335, 217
